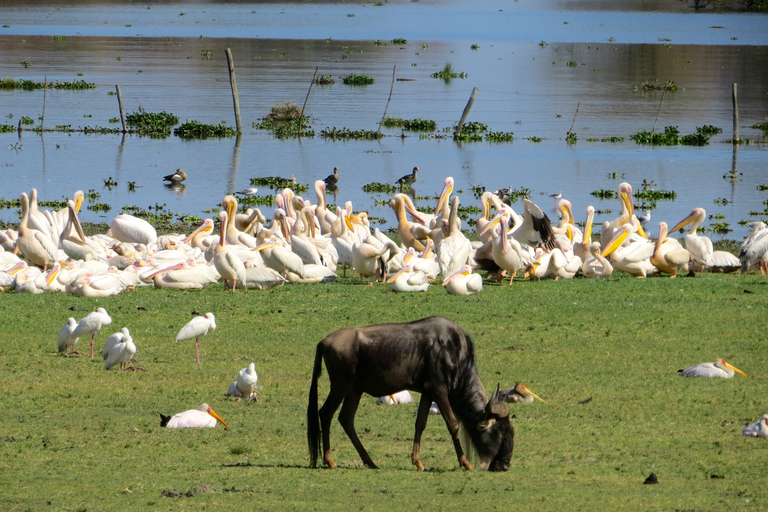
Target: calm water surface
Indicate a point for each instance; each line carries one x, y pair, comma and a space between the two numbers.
521, 66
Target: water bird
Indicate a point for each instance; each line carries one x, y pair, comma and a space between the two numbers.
519, 394
409, 179
203, 416
463, 282
92, 324
119, 349
176, 177
332, 179
754, 248
66, 339
645, 217
401, 397
758, 428
555, 197
248, 192
717, 369
246, 382
197, 327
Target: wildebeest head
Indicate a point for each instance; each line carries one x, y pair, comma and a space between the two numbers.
494, 438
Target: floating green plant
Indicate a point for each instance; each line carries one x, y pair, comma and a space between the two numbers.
399, 41
151, 121
571, 138
419, 124
197, 130
721, 201
29, 85
653, 85
500, 136
379, 42
110, 182
535, 139
27, 120
672, 137
99, 207
649, 194
447, 73
358, 80
392, 122
325, 80
379, 187
603, 193
346, 133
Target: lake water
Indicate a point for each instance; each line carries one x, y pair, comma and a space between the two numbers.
533, 63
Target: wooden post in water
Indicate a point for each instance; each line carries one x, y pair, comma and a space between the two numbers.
659, 111
466, 112
233, 83
42, 116
574, 120
735, 114
301, 116
120, 105
391, 88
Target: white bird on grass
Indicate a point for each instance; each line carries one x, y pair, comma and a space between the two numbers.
92, 324
717, 369
758, 428
198, 326
203, 416
119, 350
401, 397
66, 339
246, 383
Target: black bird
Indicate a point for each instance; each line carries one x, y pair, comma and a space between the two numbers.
176, 177
409, 179
332, 179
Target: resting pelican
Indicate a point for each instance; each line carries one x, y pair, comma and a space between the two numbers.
583, 249
463, 282
401, 397
633, 258
700, 247
203, 416
757, 429
197, 238
754, 247
198, 326
670, 259
134, 230
227, 264
409, 179
176, 177
519, 394
66, 339
121, 350
34, 245
92, 324
332, 179
408, 280
74, 242
246, 382
596, 265
717, 369
232, 234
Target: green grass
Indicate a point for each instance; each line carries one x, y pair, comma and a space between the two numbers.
76, 437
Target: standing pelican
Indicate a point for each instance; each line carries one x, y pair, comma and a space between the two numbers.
246, 382
519, 394
409, 232
700, 247
757, 429
366, 255
198, 326
717, 369
176, 177
453, 250
506, 253
66, 339
229, 266
754, 247
203, 416
36, 246
463, 282
92, 324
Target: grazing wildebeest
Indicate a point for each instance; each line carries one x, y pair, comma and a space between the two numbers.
433, 356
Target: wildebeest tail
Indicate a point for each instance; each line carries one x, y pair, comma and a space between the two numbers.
164, 420
313, 420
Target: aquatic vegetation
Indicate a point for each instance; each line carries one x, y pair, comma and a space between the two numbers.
650, 194
99, 207
672, 137
324, 80
357, 80
419, 124
447, 73
652, 85
379, 42
602, 193
29, 85
392, 122
151, 121
110, 182
346, 133
287, 111
206, 54
534, 139
197, 130
571, 138
374, 187
721, 201
500, 136
7, 128
399, 41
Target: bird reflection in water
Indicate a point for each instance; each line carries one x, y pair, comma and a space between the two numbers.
179, 188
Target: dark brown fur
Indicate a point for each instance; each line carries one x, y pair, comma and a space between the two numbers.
434, 357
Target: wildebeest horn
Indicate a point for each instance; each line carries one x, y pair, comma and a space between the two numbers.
495, 406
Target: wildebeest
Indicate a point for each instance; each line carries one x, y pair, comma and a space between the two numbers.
432, 356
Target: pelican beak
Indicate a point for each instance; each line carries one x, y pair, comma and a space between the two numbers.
78, 202
399, 272
615, 243
734, 369
265, 245
392, 397
629, 202
569, 232
200, 229
682, 223
213, 413
535, 395
493, 222
413, 212
444, 197
641, 231
349, 223
52, 275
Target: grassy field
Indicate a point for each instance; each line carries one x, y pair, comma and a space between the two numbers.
603, 354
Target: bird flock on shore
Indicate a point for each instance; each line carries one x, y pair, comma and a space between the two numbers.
306, 242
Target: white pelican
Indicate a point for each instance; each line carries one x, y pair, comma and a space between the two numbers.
198, 326
246, 382
519, 394
700, 247
332, 179
134, 230
36, 246
74, 242
757, 429
610, 228
203, 416
506, 253
176, 177
721, 261
463, 282
535, 229
249, 221
323, 216
633, 258
583, 249
409, 179
233, 235
754, 247
248, 192
596, 265
401, 397
198, 237
366, 255
263, 278
453, 250
717, 369
121, 353
485, 218
408, 280
184, 275
92, 324
66, 339
672, 258
227, 264
407, 230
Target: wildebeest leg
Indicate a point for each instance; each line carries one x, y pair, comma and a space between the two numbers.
347, 420
421, 423
441, 397
326, 417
